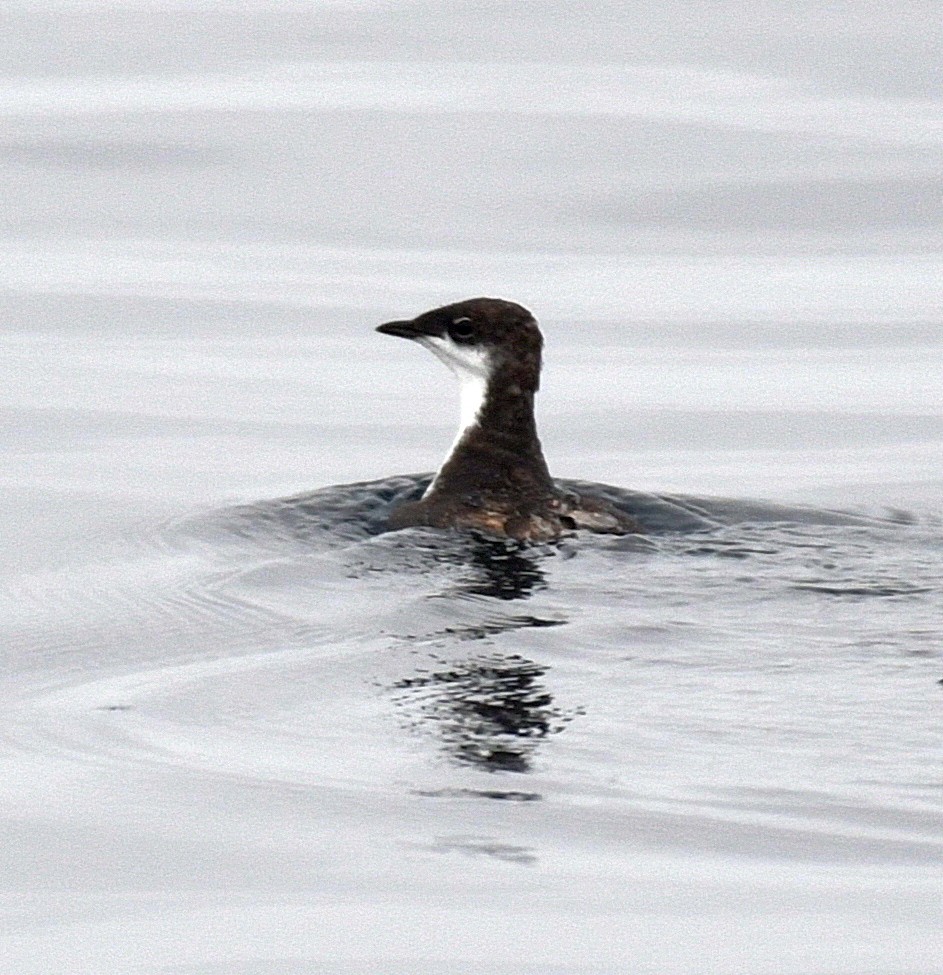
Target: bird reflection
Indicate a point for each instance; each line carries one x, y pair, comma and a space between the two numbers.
503, 569
492, 709
489, 711
499, 568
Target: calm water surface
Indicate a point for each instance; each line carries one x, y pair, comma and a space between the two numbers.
246, 733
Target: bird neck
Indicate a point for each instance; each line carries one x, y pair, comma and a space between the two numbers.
497, 452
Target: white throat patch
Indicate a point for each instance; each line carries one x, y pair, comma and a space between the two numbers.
472, 365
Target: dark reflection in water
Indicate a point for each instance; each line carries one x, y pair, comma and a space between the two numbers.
483, 846
489, 711
459, 563
503, 570
502, 795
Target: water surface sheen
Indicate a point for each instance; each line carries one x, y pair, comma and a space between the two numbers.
736, 712
244, 730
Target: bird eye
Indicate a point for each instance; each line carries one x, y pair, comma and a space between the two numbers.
462, 330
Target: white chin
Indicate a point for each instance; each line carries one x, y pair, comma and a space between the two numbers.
466, 361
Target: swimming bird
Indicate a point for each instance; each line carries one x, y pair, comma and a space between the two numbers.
495, 478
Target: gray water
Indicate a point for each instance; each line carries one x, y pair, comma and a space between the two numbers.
245, 733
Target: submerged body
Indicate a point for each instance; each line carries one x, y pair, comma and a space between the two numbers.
495, 478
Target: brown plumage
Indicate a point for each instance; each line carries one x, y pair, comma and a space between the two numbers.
496, 479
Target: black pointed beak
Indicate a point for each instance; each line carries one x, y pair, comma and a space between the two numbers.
402, 330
